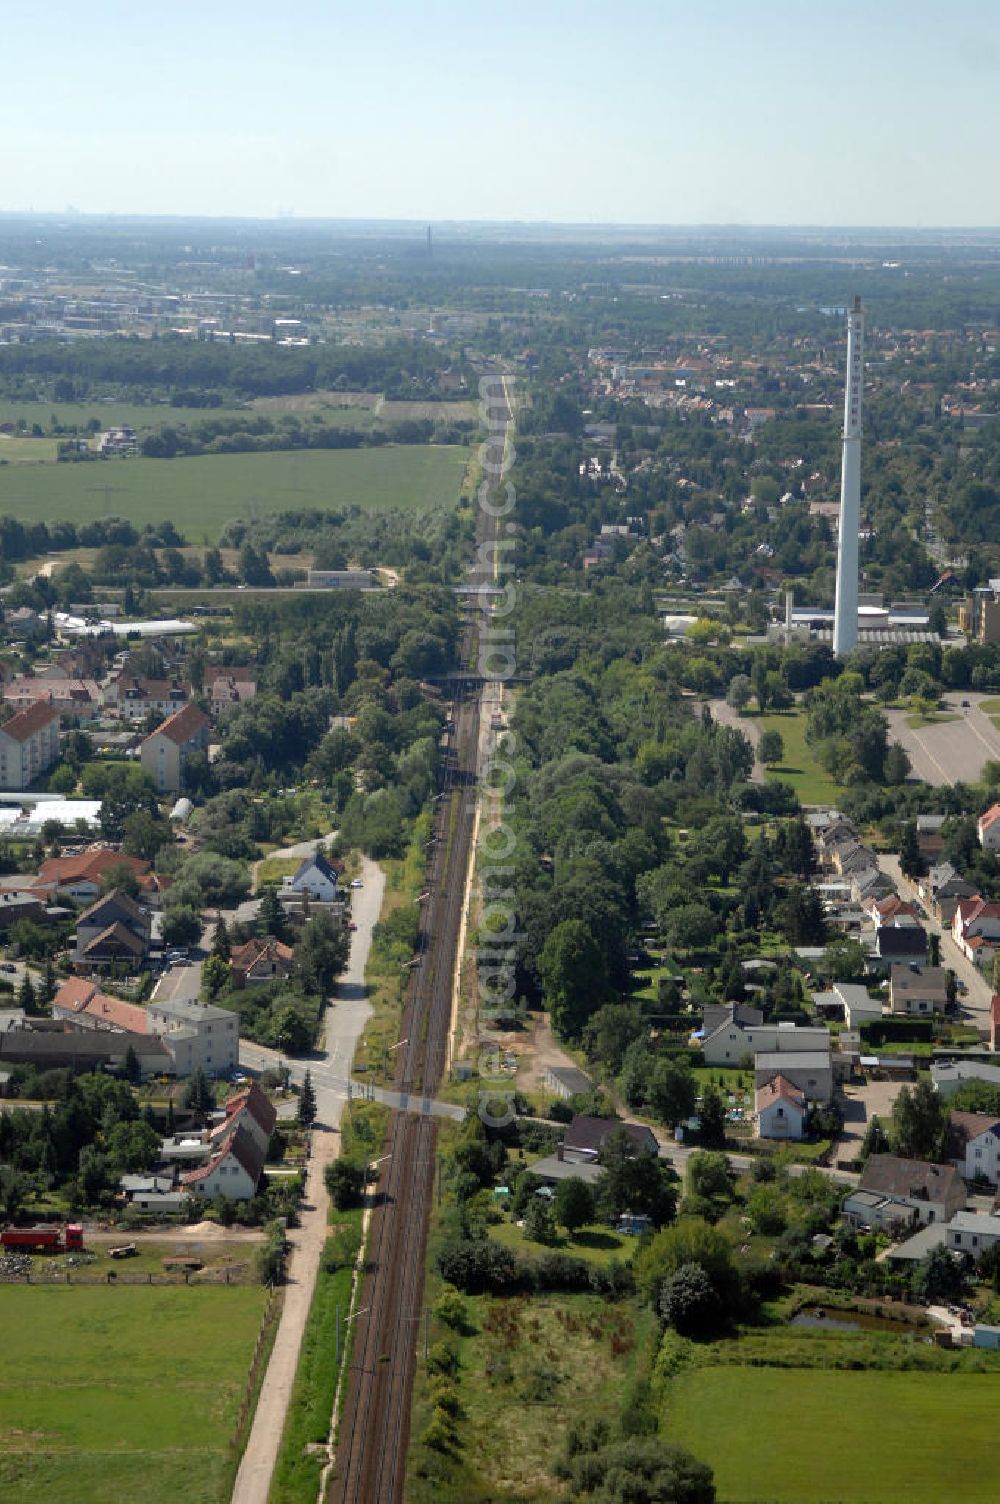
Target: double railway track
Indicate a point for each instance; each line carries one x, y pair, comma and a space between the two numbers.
370, 1462
374, 1426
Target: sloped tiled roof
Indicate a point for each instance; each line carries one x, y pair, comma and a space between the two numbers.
244, 1150
26, 722
182, 725
257, 1103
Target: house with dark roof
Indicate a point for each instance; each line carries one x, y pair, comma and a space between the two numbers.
114, 930
29, 745
918, 991
82, 1050
912, 1190
317, 879
166, 751
974, 1145
902, 942
586, 1136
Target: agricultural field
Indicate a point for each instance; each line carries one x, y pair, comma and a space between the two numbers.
200, 495
15, 450
123, 1394
811, 1436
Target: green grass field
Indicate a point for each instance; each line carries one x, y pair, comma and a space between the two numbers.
799, 767
778, 1436
597, 1244
201, 495
140, 416
109, 1396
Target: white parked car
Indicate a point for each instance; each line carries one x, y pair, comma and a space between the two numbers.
356, 882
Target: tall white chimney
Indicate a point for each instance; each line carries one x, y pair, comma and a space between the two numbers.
845, 620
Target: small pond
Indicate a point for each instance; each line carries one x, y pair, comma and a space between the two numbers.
831, 1318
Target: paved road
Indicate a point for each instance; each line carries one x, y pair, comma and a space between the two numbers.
954, 751
975, 1004
344, 1020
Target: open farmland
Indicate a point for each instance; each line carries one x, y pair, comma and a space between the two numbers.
808, 1437
202, 494
114, 1395
107, 413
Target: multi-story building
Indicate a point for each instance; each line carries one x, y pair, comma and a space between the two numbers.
979, 614
132, 698
196, 1034
166, 751
29, 745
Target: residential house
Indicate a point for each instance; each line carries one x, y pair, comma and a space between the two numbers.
113, 931
262, 959
29, 745
229, 686
315, 879
926, 1192
889, 910
972, 1233
976, 928
130, 697
898, 943
233, 1171
21, 905
942, 889
809, 1071
995, 1021
732, 1042
930, 840
166, 751
196, 1034
79, 698
81, 877
717, 1014
870, 883
780, 1109
253, 1110
84, 1004
853, 1001
585, 1136
974, 1145
988, 828
918, 991
154, 1194
949, 1075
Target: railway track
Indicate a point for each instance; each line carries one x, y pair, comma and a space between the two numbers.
370, 1462
374, 1428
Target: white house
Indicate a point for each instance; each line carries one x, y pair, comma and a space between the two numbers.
780, 1110
973, 1234
316, 878
196, 1034
975, 928
233, 1170
733, 1042
975, 1145
808, 1071
855, 1001
988, 827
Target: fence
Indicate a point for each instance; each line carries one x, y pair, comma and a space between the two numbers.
233, 1274
262, 1348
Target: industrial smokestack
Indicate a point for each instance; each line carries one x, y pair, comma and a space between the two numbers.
845, 619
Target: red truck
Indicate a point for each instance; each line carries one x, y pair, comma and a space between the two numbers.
46, 1238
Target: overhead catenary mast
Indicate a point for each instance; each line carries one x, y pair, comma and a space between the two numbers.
845, 618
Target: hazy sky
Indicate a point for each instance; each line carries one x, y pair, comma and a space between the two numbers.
777, 112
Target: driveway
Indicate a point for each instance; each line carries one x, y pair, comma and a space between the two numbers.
975, 1003
725, 715
860, 1104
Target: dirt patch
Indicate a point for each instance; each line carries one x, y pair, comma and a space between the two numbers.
307, 402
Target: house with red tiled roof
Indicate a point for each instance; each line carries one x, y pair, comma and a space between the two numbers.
229, 686
888, 910
994, 1020
234, 1169
29, 745
262, 959
86, 1006
80, 877
976, 929
988, 828
167, 750
780, 1109
974, 1145
253, 1110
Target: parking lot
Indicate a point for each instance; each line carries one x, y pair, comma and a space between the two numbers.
953, 751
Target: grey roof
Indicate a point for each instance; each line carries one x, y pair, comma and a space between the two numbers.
570, 1077
780, 1062
964, 1070
914, 1179
977, 1223
189, 1010
923, 1242
554, 1168
587, 1134
919, 981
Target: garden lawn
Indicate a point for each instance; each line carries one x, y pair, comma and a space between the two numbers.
597, 1244
109, 1396
776, 1436
799, 766
200, 495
